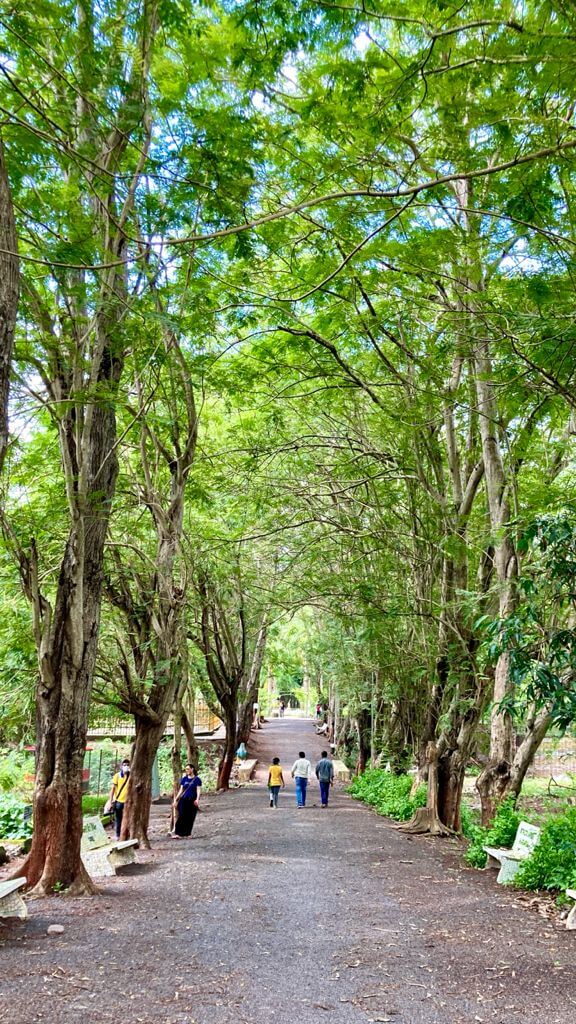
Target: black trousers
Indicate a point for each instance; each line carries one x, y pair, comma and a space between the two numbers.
187, 812
118, 812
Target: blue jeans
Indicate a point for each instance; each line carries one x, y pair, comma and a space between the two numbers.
274, 790
301, 785
324, 791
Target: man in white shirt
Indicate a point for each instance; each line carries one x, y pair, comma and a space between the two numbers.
301, 772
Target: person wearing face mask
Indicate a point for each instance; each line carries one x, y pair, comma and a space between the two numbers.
119, 793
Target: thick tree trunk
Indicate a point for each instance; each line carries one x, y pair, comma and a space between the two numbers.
9, 293
364, 731
497, 782
245, 716
137, 808
230, 747
427, 819
67, 641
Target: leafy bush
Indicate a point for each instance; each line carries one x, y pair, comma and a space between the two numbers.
14, 820
501, 832
552, 865
92, 805
207, 768
388, 794
14, 765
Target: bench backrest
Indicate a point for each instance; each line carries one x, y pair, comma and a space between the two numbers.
526, 839
93, 835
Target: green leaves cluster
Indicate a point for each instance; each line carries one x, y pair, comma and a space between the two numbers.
388, 794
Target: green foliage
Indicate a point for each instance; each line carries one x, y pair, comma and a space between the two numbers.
14, 764
388, 794
12, 818
538, 637
552, 865
501, 833
207, 768
92, 805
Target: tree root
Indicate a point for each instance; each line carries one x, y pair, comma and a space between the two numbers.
82, 885
425, 822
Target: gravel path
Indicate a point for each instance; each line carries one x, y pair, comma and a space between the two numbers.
289, 916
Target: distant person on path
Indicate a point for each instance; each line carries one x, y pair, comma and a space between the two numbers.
186, 802
301, 772
281, 709
119, 794
275, 781
325, 776
319, 710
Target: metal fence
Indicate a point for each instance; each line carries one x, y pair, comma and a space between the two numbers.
204, 722
556, 759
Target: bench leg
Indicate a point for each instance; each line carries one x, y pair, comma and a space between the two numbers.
508, 871
97, 864
571, 919
118, 858
13, 906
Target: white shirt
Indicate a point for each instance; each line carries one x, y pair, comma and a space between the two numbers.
302, 769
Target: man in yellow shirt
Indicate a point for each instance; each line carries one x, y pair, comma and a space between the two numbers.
118, 794
275, 781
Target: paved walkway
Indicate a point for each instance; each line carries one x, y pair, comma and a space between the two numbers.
294, 917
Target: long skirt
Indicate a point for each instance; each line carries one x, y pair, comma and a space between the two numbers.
187, 812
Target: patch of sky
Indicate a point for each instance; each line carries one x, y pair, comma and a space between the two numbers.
520, 261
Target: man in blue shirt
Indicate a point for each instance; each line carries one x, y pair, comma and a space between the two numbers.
325, 776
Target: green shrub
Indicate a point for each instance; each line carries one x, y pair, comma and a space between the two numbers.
92, 805
12, 818
207, 768
552, 865
501, 832
388, 794
14, 765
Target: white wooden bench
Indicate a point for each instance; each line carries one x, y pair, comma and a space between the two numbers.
11, 902
341, 771
571, 919
246, 769
509, 861
101, 857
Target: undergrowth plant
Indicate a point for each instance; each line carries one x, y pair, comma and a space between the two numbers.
14, 821
501, 832
389, 794
552, 864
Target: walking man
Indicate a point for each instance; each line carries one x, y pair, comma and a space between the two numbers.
119, 793
301, 772
325, 776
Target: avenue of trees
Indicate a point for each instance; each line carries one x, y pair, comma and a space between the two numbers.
287, 377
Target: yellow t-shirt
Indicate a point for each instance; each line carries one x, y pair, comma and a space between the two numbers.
275, 774
121, 787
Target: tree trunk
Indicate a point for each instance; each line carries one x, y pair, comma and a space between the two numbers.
137, 807
493, 781
67, 641
188, 729
245, 717
497, 782
427, 819
9, 293
230, 747
364, 730
176, 753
